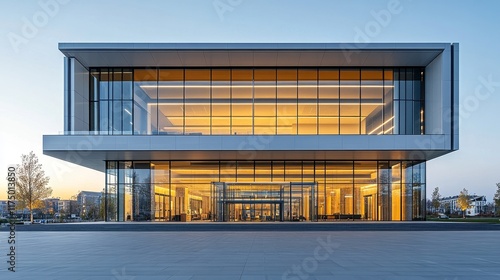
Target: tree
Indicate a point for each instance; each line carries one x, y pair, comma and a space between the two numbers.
102, 207
447, 208
428, 204
463, 201
435, 200
497, 200
31, 183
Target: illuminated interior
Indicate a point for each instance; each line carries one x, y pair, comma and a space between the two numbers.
264, 201
256, 101
322, 190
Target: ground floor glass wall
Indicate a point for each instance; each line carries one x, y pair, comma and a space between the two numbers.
183, 190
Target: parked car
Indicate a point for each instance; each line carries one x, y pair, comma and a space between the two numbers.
443, 216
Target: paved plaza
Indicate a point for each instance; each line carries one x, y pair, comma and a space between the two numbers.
213, 255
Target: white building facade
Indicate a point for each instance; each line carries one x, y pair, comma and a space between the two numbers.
478, 205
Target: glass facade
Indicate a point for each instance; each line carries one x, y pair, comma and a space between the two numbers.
265, 190
256, 101
111, 101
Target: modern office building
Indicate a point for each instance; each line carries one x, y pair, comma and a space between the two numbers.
51, 205
68, 207
89, 204
259, 132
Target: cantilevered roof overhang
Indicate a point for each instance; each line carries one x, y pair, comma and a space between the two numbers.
92, 150
252, 54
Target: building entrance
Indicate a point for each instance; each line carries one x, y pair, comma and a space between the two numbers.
264, 202
255, 211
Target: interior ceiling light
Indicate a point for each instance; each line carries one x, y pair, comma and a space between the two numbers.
265, 86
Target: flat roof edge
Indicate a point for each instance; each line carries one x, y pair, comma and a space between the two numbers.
108, 46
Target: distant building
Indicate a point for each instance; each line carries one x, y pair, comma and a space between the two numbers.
490, 208
68, 206
3, 208
89, 204
4, 211
51, 205
478, 205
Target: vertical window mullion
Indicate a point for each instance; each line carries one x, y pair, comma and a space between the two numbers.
352, 186
338, 101
110, 101
296, 104
184, 102
132, 101
98, 100
157, 101
377, 195
230, 101
122, 126
400, 191
359, 115
253, 101
254, 175
275, 109
383, 101
210, 99
317, 101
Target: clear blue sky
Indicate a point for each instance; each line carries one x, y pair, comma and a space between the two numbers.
32, 67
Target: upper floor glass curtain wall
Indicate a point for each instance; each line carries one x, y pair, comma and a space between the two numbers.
247, 101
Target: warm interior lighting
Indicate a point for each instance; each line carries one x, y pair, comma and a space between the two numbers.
369, 186
264, 86
270, 103
381, 125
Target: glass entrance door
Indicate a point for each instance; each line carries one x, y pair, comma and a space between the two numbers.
255, 212
273, 201
161, 207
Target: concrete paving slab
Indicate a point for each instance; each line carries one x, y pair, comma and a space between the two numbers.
132, 255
